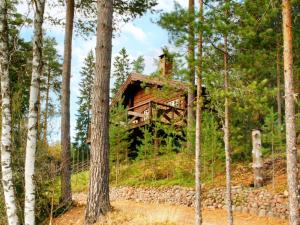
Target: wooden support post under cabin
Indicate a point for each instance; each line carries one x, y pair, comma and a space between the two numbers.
257, 158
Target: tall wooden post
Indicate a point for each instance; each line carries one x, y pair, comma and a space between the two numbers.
257, 158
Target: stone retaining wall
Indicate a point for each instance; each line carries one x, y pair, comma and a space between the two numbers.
248, 200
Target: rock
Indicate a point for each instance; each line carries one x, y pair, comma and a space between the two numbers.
262, 213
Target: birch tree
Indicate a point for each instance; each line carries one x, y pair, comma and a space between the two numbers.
29, 210
291, 150
6, 139
98, 197
226, 125
198, 218
191, 74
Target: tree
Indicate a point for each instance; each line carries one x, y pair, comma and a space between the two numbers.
191, 73
226, 123
84, 101
51, 80
6, 131
119, 137
29, 210
66, 193
138, 65
98, 196
121, 69
198, 216
291, 150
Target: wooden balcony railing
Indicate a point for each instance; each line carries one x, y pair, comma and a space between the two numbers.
155, 112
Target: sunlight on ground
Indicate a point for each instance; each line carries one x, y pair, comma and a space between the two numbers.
134, 213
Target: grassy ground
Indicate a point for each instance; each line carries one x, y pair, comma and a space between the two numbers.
178, 169
167, 170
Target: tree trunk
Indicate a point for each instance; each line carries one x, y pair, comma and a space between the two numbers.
46, 108
66, 193
291, 150
279, 111
191, 77
29, 211
39, 116
257, 158
6, 167
227, 136
198, 214
98, 197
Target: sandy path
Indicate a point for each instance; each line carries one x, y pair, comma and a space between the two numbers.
133, 213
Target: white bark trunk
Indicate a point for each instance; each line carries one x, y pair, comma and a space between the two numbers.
291, 150
7, 175
257, 158
29, 211
198, 214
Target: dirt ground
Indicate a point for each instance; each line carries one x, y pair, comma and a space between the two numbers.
133, 213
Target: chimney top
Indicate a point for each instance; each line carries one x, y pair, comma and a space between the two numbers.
165, 65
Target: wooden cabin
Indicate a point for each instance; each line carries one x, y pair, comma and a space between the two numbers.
151, 99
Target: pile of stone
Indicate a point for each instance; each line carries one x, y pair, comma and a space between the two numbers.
248, 200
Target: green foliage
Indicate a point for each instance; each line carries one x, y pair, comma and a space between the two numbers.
212, 152
138, 65
122, 69
146, 148
119, 138
273, 137
84, 101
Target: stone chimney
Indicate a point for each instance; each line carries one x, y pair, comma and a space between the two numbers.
165, 66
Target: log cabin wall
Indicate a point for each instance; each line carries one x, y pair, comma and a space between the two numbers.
144, 95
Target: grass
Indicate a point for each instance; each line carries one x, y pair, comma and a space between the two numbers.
178, 169
166, 170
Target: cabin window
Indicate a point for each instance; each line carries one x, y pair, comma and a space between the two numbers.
174, 103
146, 114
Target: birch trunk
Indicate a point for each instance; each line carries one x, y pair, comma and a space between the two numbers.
227, 135
6, 167
257, 159
291, 150
66, 194
29, 210
47, 108
191, 77
198, 214
98, 197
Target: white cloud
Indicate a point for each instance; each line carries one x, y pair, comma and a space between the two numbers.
135, 31
168, 5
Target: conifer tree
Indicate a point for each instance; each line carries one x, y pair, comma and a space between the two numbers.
138, 65
84, 101
119, 137
121, 69
291, 150
51, 80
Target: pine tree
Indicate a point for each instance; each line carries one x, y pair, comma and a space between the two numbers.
291, 150
119, 137
51, 80
138, 65
98, 203
84, 101
66, 194
121, 69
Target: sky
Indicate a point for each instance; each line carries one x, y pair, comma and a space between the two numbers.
139, 37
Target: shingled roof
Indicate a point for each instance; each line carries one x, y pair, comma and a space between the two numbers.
159, 81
